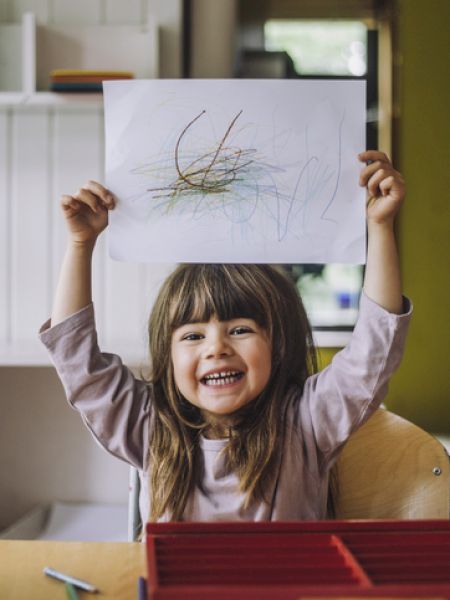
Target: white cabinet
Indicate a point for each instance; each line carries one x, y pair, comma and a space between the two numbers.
45, 152
50, 144
29, 52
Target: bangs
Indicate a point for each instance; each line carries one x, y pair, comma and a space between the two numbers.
222, 291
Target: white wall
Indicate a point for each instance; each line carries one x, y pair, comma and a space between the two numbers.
46, 453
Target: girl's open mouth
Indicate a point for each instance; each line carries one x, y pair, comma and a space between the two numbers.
222, 378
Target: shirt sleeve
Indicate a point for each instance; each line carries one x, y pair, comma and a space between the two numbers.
345, 394
115, 406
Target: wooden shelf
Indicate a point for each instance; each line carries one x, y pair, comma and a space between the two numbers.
87, 100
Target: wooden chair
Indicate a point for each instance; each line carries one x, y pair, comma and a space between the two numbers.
391, 469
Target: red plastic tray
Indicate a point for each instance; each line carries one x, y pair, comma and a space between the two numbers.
284, 560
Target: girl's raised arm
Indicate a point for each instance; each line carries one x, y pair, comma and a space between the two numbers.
386, 190
86, 216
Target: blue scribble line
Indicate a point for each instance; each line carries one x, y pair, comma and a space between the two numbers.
338, 177
282, 234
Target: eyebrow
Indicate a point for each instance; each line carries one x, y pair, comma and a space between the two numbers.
197, 322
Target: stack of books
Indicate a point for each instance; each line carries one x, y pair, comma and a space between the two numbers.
76, 80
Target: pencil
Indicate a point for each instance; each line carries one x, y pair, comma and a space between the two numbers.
71, 591
84, 585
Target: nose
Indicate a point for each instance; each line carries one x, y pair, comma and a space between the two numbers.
217, 346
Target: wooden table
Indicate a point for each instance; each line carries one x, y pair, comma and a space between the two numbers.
112, 567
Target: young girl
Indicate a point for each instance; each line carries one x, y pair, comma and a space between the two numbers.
235, 423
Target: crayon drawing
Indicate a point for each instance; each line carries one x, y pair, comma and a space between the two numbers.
203, 179
191, 181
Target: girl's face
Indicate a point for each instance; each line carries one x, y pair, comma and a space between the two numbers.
220, 366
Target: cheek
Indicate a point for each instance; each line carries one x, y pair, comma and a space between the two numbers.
182, 369
262, 362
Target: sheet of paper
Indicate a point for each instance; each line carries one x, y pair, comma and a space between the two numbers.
236, 170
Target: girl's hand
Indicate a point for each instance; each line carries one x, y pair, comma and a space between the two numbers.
86, 212
385, 186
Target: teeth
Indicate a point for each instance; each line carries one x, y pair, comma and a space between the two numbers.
221, 374
222, 378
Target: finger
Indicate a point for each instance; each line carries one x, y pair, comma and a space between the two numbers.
369, 170
69, 204
392, 184
106, 197
373, 155
89, 199
377, 178
386, 185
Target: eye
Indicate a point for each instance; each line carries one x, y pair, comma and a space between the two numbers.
240, 330
191, 337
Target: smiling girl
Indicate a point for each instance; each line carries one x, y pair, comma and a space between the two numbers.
235, 422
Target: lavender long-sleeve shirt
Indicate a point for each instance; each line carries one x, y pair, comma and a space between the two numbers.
117, 409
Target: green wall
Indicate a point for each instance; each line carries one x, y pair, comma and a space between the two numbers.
420, 390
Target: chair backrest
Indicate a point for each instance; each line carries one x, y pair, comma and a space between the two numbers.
391, 469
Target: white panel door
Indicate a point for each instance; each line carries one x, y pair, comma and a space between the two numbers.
30, 223
79, 157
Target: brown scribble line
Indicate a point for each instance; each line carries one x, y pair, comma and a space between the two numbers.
225, 169
229, 174
177, 163
221, 144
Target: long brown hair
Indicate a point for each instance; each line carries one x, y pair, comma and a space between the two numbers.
197, 292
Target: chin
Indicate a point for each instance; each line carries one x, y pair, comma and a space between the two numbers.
221, 412
224, 411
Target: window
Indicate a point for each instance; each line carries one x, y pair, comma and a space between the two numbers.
320, 47
326, 49
330, 294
